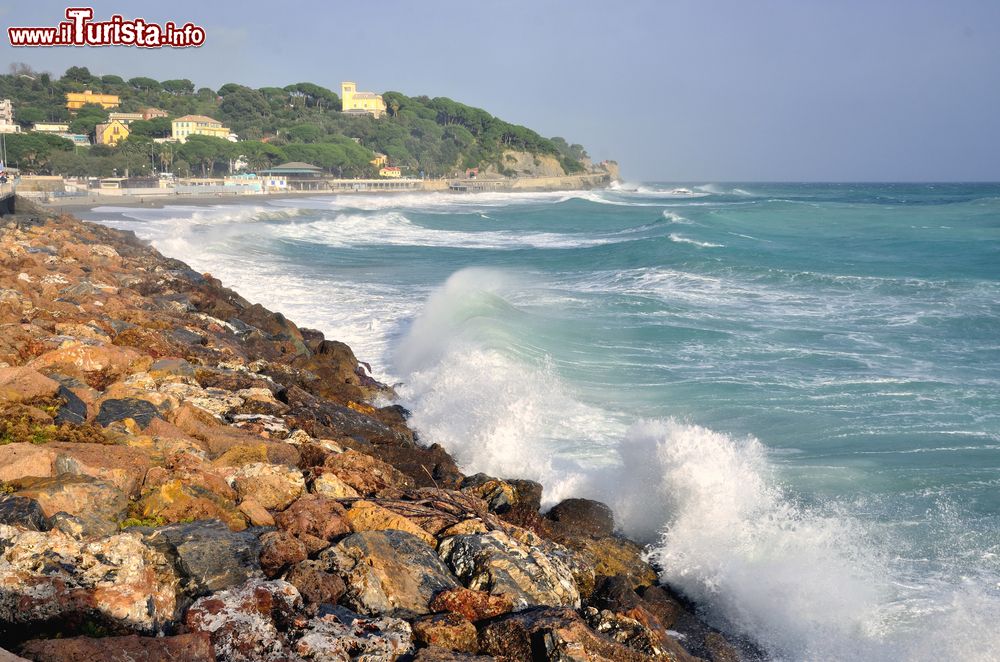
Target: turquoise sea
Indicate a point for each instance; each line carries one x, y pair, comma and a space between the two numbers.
791, 391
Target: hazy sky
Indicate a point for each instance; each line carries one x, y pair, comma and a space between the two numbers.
674, 90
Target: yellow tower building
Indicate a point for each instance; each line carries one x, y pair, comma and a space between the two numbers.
360, 103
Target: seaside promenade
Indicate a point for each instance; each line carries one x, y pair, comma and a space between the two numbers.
70, 195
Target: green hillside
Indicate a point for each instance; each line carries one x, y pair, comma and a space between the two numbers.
298, 122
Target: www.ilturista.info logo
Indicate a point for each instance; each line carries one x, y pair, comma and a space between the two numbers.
79, 30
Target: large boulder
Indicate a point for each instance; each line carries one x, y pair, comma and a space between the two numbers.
49, 581
23, 384
196, 647
227, 445
273, 486
555, 635
338, 634
315, 520
97, 504
177, 501
612, 556
582, 517
122, 466
329, 485
316, 585
23, 513
121, 409
448, 630
245, 622
516, 501
325, 419
98, 364
364, 473
430, 466
279, 551
662, 604
655, 643
495, 562
388, 572
473, 605
20, 460
208, 556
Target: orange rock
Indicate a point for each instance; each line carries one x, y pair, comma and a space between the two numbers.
98, 364
256, 513
318, 517
123, 467
365, 473
473, 605
21, 384
369, 516
22, 460
329, 485
195, 647
218, 439
450, 630
175, 501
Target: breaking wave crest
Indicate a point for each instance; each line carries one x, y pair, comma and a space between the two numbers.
679, 239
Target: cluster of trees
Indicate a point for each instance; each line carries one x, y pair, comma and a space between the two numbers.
199, 155
299, 122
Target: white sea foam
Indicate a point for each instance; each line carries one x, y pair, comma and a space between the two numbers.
392, 228
715, 189
674, 217
676, 238
385, 227
656, 191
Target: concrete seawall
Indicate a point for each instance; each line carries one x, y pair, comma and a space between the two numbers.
6, 201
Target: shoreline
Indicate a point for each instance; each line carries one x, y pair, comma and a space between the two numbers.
187, 412
70, 204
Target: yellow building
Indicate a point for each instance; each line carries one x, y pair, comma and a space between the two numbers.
390, 171
111, 133
360, 103
77, 100
197, 125
379, 160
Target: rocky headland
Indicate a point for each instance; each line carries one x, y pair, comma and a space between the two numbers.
185, 475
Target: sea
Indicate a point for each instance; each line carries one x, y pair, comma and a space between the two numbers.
791, 392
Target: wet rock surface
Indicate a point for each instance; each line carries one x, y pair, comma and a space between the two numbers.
187, 475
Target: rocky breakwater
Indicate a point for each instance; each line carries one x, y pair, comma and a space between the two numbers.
186, 475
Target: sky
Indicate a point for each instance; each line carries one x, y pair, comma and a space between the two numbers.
674, 90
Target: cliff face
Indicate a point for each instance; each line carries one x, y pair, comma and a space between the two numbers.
526, 164
186, 461
611, 167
